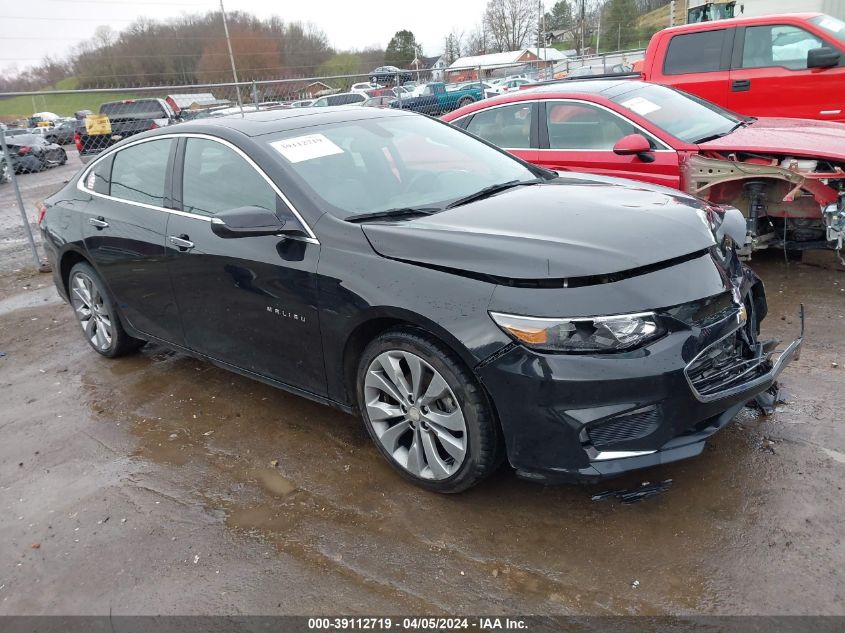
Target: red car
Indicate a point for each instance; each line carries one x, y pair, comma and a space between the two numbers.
786, 175
790, 65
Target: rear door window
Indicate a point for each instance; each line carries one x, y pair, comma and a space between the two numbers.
139, 172
695, 53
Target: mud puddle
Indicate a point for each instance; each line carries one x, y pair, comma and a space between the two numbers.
751, 526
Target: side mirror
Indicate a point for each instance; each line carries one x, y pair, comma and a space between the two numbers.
634, 144
823, 57
251, 222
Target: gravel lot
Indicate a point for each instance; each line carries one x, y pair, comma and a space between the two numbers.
161, 484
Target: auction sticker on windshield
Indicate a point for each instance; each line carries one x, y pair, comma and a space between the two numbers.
308, 147
640, 105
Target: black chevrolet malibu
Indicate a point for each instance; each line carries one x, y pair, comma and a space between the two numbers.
470, 306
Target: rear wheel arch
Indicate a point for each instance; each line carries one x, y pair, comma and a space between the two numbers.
68, 260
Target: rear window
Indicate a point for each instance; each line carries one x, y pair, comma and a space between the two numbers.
143, 109
694, 53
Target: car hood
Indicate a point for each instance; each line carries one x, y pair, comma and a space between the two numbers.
572, 226
800, 137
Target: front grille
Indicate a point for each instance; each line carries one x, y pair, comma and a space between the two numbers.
725, 364
624, 428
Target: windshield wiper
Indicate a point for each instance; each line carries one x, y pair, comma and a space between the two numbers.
738, 125
402, 213
491, 190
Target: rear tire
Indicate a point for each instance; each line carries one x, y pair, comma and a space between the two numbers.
96, 313
464, 101
443, 435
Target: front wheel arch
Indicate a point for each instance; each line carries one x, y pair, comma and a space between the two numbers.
378, 321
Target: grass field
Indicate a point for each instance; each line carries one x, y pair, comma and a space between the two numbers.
64, 105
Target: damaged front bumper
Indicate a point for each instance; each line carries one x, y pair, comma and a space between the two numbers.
586, 418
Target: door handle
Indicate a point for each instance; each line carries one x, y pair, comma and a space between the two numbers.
181, 242
100, 222
741, 85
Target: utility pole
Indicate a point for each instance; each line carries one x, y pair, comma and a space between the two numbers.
598, 37
539, 25
231, 57
583, 23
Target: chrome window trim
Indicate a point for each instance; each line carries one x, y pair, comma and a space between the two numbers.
312, 238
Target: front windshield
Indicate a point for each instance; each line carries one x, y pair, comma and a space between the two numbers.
684, 116
833, 26
394, 162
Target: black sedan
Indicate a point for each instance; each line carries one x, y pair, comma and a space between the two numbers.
390, 75
30, 153
472, 307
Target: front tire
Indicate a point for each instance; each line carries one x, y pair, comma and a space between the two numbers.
95, 310
464, 101
426, 412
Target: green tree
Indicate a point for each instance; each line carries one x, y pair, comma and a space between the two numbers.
340, 64
560, 17
618, 24
401, 49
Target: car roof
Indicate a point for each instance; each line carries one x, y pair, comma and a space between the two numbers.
605, 87
563, 89
274, 121
741, 21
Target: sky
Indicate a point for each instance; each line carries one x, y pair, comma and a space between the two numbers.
29, 31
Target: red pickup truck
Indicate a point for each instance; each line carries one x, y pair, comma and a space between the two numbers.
790, 65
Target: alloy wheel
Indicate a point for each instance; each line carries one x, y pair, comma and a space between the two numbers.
91, 310
415, 415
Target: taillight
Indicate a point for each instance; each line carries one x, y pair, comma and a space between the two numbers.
41, 212
23, 150
154, 125
77, 141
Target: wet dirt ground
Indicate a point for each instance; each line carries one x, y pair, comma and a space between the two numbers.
161, 484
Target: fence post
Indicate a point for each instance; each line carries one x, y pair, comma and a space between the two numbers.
11, 167
481, 83
255, 94
399, 92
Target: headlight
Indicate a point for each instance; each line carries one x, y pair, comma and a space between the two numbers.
588, 334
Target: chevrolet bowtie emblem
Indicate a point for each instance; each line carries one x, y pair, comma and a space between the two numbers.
742, 317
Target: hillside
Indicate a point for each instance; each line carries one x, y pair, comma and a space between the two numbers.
658, 19
64, 105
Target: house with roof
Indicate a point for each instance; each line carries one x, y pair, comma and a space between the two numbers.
497, 64
194, 101
433, 67
291, 90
